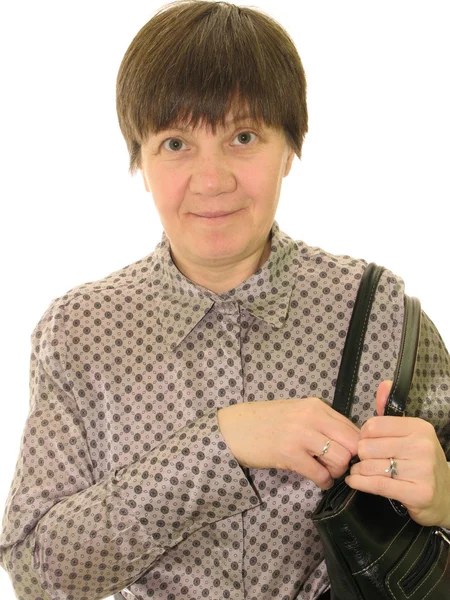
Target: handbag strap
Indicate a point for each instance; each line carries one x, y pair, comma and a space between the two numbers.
353, 347
406, 362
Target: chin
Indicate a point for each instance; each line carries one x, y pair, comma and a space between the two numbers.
217, 246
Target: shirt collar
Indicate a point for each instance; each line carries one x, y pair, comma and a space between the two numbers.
181, 303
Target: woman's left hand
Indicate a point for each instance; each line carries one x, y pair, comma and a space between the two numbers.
421, 480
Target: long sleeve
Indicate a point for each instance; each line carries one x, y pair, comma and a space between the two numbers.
429, 397
66, 535
430, 390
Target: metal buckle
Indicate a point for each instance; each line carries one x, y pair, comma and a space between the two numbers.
442, 534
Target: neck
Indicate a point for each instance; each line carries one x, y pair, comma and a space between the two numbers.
226, 277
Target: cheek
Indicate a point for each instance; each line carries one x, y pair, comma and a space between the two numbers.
168, 189
259, 180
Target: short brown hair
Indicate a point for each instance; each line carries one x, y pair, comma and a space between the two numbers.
194, 60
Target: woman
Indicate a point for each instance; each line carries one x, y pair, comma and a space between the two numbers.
180, 429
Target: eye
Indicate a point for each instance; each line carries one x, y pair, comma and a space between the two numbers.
175, 143
245, 135
175, 146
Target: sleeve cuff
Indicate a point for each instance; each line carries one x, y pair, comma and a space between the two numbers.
204, 480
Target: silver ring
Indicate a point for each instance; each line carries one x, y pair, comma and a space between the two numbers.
325, 448
392, 469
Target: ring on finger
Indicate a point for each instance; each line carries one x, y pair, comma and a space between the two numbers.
325, 448
392, 469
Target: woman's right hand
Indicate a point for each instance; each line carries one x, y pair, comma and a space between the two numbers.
287, 434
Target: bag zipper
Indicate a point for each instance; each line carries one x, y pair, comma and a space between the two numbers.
426, 561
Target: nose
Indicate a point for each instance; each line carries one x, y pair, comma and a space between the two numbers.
211, 175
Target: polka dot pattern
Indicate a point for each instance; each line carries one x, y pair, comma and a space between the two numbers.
124, 480
429, 397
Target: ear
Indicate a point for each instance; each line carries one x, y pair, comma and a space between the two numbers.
289, 160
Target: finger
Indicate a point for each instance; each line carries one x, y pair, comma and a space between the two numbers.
399, 448
392, 426
407, 470
316, 472
334, 457
383, 391
403, 491
343, 435
329, 468
335, 471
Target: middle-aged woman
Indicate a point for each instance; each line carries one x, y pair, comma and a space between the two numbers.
178, 406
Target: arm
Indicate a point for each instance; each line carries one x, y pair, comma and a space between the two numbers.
65, 534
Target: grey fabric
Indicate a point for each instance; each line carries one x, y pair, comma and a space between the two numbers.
124, 481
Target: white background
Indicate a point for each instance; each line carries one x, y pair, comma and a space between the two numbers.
373, 182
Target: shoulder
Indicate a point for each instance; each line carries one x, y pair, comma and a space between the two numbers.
118, 288
318, 265
323, 274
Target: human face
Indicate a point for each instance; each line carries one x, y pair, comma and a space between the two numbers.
193, 174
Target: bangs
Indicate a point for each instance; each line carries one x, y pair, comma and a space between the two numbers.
195, 62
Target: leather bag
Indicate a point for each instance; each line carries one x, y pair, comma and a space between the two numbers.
373, 549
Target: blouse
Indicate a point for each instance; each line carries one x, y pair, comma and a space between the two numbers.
124, 481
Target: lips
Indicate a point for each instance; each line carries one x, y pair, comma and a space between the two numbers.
214, 215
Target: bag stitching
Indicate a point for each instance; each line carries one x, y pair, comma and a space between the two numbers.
398, 566
381, 555
338, 513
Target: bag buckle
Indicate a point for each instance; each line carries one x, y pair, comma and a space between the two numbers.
442, 534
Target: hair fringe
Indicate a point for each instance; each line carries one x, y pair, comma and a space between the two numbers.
196, 60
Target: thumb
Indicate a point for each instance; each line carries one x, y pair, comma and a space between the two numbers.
382, 396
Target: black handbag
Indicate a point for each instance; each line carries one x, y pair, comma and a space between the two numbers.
373, 549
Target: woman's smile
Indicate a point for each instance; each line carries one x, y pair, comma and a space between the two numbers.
215, 217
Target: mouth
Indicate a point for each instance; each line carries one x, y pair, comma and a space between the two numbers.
215, 216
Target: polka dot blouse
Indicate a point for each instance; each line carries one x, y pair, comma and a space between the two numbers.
124, 481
